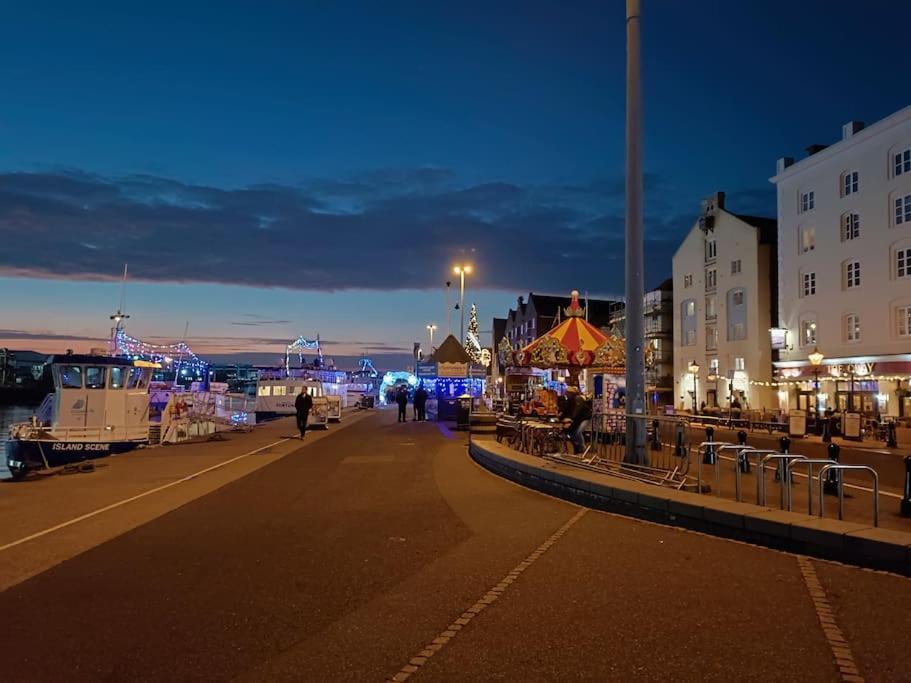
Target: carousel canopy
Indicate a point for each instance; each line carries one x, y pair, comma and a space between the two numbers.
573, 343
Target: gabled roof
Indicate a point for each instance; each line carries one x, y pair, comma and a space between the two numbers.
768, 227
450, 351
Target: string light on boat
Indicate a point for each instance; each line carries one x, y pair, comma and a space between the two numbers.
178, 353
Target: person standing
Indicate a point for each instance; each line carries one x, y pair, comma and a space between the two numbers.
302, 405
401, 398
420, 403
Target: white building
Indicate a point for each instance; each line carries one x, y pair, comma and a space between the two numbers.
724, 300
844, 262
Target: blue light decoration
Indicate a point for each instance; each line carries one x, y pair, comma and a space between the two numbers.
392, 378
300, 345
453, 387
178, 356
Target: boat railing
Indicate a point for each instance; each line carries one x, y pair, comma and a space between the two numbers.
80, 434
45, 413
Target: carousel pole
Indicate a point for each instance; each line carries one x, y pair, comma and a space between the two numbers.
635, 286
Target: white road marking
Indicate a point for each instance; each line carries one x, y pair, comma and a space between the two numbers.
120, 503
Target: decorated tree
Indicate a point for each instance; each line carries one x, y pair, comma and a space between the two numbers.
473, 336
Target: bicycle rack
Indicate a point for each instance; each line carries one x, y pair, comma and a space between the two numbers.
739, 448
841, 489
809, 463
785, 486
701, 453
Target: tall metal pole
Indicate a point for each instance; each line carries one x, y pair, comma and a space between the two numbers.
448, 310
462, 305
635, 285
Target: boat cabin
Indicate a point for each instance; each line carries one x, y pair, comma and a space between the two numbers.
275, 398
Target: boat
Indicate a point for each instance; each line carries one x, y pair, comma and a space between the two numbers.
275, 398
99, 407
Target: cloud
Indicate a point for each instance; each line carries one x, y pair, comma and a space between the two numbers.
378, 229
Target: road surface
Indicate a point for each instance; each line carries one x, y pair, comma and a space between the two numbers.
383, 552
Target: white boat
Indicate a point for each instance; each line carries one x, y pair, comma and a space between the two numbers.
275, 398
100, 407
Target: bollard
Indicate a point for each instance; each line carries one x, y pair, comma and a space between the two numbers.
827, 429
678, 449
784, 446
830, 486
656, 437
744, 462
891, 435
906, 500
710, 455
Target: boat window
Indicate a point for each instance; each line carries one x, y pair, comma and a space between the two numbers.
135, 378
145, 378
94, 378
71, 377
264, 391
118, 378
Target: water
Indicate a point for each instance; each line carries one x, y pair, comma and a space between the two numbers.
9, 415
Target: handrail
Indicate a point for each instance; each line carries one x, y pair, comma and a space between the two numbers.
700, 455
841, 491
809, 462
785, 486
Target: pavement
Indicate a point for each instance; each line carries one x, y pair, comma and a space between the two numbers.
383, 552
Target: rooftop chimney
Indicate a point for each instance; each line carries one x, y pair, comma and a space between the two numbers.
783, 163
850, 128
813, 149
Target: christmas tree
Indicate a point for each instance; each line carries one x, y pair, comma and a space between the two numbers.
473, 336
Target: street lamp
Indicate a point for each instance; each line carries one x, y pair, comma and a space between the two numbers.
430, 328
694, 371
462, 271
816, 360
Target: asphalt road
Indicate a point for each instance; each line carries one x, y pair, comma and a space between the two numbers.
385, 544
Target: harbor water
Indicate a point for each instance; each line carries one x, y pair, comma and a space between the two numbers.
8, 416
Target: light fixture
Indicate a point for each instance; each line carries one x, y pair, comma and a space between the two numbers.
815, 357
694, 367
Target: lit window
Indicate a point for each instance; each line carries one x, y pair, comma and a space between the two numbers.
690, 308
94, 378
903, 209
279, 391
118, 378
903, 314
852, 274
264, 391
688, 280
735, 267
902, 162
807, 201
807, 239
852, 327
713, 366
809, 284
808, 332
850, 226
739, 363
71, 377
849, 183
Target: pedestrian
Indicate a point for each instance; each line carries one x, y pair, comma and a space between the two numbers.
581, 418
302, 405
420, 403
401, 398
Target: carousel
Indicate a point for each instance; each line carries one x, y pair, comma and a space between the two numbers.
573, 345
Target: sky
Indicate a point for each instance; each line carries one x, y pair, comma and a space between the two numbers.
278, 169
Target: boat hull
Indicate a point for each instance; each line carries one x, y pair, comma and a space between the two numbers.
28, 454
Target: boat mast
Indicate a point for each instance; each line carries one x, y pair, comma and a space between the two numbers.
120, 315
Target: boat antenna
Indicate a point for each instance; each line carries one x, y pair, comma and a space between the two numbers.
121, 314
183, 346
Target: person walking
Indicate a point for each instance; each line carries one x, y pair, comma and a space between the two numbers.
401, 398
420, 403
302, 405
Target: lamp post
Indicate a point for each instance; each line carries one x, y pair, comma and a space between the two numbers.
462, 271
815, 359
694, 371
430, 328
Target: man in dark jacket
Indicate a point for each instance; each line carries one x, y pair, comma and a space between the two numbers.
582, 415
302, 404
420, 403
401, 398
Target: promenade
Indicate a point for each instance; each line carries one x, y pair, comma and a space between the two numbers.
382, 551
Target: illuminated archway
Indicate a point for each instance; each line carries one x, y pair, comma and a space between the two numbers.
390, 379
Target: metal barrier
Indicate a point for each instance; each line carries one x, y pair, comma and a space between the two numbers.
706, 452
785, 486
841, 489
809, 462
743, 454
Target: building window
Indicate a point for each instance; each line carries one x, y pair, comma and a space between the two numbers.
850, 226
852, 327
903, 313
739, 363
735, 267
713, 366
710, 313
711, 279
903, 262
903, 209
688, 322
711, 250
852, 274
807, 239
808, 332
902, 162
807, 201
809, 284
688, 280
849, 183
711, 338
736, 314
